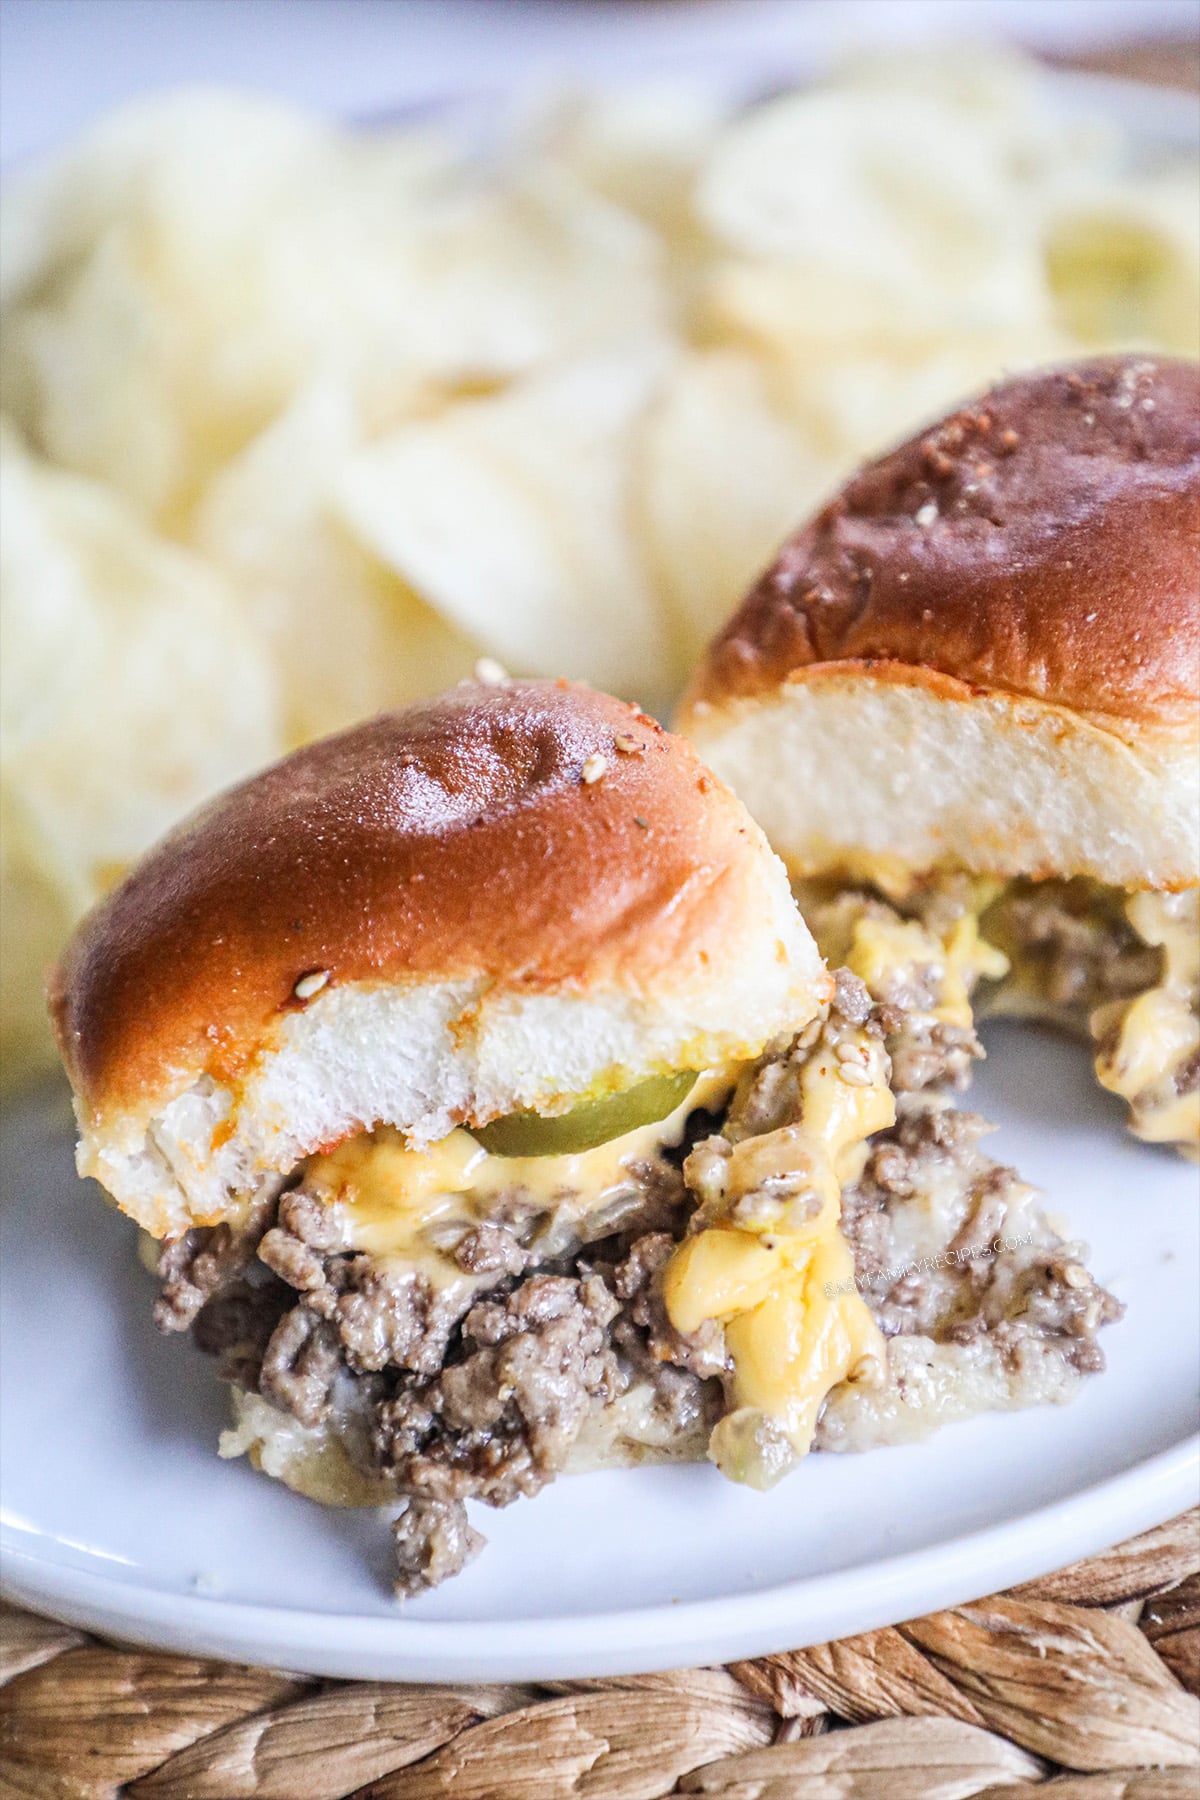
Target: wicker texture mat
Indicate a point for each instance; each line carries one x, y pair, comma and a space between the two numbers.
1080, 1685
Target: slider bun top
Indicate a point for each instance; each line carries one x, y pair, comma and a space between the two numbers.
502, 899
984, 653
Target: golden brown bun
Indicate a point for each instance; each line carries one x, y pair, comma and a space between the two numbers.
513, 893
1060, 562
986, 649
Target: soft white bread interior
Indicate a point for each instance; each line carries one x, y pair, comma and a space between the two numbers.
857, 772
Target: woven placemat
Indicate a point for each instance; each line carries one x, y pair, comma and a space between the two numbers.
1081, 1685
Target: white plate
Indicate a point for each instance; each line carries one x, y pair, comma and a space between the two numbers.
118, 1516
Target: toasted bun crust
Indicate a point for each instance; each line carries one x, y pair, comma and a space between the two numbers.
986, 650
513, 894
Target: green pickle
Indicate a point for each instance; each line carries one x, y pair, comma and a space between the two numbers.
589, 1124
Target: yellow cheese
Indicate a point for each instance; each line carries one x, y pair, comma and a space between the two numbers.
881, 946
1173, 921
1159, 1031
716, 1274
795, 1324
890, 874
1149, 1038
796, 1344
392, 1195
969, 960
1174, 1120
840, 1115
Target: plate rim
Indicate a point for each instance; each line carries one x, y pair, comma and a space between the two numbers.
787, 1616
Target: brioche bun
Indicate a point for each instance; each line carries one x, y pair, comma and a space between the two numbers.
502, 899
985, 652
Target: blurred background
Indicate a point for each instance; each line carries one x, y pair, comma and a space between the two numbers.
66, 61
344, 342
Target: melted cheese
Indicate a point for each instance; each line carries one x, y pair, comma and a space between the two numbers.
796, 1344
882, 947
794, 1323
1159, 1031
895, 879
1151, 1037
393, 1197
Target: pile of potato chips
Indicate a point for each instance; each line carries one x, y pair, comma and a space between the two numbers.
301, 421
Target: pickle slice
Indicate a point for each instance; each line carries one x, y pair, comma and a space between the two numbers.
589, 1124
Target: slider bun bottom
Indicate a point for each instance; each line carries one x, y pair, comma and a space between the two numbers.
918, 769
316, 1461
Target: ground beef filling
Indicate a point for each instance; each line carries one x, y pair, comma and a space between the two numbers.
500, 1420
1003, 1273
434, 1540
1072, 947
1121, 969
484, 1386
907, 999
474, 1389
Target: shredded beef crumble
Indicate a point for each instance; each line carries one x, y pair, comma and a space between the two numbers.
501, 1420
192, 1269
433, 1540
299, 1365
1034, 1289
1075, 943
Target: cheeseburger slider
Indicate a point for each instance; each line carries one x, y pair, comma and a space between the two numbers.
489, 1113
964, 704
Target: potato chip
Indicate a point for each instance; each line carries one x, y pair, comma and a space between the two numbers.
346, 636
1123, 263
235, 251
120, 354
640, 146
36, 915
895, 195
514, 517
130, 690
194, 164
723, 477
